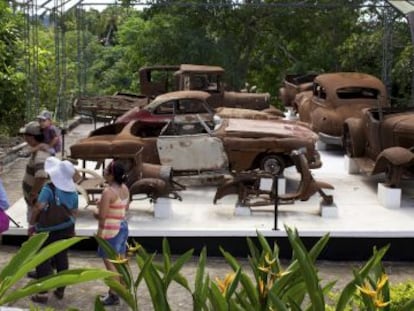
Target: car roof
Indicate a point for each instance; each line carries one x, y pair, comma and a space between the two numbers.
201, 68
337, 80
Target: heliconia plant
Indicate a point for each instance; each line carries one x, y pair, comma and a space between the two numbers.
268, 285
157, 277
28, 257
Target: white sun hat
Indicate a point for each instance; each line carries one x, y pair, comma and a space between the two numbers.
61, 173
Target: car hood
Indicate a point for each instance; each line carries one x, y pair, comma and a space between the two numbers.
260, 128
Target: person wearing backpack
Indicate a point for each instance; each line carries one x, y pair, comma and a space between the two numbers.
55, 213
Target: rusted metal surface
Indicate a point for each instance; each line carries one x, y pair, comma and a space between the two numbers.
246, 185
385, 137
170, 105
202, 153
241, 113
336, 97
152, 181
158, 80
114, 105
293, 84
187, 104
246, 144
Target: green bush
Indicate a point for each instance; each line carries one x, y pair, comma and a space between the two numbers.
268, 285
29, 256
401, 294
272, 287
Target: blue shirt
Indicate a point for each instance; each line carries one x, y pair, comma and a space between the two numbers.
69, 199
4, 201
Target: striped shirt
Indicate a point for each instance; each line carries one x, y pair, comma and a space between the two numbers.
35, 168
114, 216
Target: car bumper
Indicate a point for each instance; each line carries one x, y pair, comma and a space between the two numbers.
330, 140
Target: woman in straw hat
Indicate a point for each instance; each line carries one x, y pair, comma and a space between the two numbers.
62, 192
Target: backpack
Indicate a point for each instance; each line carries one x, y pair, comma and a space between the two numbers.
54, 217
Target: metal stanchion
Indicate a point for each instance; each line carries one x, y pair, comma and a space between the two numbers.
276, 206
63, 133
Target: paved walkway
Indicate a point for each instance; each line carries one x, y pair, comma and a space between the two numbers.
82, 296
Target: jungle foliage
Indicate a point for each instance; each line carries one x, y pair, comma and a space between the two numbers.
256, 42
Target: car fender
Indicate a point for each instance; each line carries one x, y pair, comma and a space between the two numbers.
354, 128
396, 156
152, 187
326, 120
303, 105
232, 186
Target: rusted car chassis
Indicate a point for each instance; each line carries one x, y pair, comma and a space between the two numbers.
246, 185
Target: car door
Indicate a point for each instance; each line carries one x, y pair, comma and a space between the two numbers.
197, 152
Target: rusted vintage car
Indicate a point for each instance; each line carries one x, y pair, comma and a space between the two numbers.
157, 80
336, 97
381, 141
194, 147
187, 104
164, 107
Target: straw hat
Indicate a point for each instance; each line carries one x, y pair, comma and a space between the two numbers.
61, 173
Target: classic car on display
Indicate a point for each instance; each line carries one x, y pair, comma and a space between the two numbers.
381, 141
187, 104
336, 97
191, 147
157, 80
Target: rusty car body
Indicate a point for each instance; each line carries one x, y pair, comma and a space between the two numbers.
167, 106
161, 79
293, 84
191, 147
381, 141
152, 181
336, 97
187, 104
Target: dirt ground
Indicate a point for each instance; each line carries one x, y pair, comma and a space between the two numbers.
82, 296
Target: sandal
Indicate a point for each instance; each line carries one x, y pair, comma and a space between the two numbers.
40, 298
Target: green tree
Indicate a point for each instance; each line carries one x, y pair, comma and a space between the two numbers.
12, 77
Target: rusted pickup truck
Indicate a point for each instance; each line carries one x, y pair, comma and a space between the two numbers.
381, 141
156, 80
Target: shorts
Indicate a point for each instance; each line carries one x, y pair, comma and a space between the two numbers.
118, 242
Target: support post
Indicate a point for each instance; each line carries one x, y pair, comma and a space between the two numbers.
276, 203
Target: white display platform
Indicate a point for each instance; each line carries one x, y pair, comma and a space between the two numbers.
358, 211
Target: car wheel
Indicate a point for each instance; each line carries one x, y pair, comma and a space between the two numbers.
273, 164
